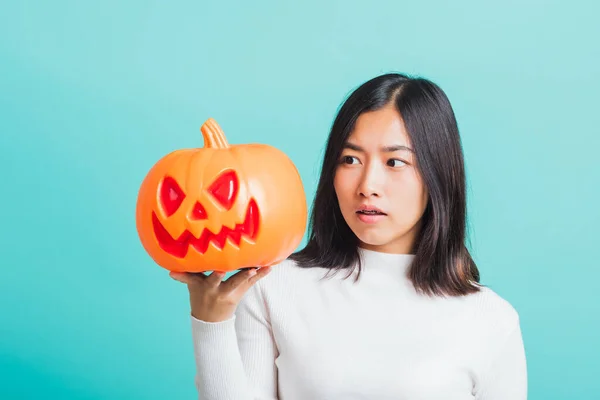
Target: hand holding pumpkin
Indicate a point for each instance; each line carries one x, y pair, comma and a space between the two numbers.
215, 300
220, 208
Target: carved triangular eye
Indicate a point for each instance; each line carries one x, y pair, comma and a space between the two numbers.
225, 188
198, 212
171, 195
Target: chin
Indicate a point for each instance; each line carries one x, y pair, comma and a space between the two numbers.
383, 240
373, 238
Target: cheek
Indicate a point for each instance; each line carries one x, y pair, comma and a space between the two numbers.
409, 198
342, 185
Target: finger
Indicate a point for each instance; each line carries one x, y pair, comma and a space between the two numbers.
182, 277
253, 277
239, 278
261, 273
188, 277
215, 278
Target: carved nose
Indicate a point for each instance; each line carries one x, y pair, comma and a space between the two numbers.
198, 212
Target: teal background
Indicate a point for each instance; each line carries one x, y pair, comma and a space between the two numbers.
93, 93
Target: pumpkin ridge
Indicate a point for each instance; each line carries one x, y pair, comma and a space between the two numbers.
203, 177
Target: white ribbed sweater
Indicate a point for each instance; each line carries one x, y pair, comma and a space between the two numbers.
296, 336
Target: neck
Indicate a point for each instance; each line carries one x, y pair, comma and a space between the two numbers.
374, 259
402, 250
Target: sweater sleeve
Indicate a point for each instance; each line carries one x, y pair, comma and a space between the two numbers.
506, 377
235, 359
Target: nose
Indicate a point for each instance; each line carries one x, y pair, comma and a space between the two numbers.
371, 182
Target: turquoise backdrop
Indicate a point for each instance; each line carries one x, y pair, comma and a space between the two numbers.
93, 93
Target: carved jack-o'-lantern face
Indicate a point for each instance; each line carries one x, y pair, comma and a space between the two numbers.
222, 193
221, 207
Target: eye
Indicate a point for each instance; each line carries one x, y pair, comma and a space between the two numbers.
171, 195
348, 159
396, 163
225, 188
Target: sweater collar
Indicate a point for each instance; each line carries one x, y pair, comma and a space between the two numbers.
379, 260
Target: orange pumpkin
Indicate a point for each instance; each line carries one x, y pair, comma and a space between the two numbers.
221, 207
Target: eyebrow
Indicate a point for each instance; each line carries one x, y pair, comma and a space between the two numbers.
387, 149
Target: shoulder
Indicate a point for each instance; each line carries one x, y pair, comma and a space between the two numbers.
280, 294
285, 280
492, 302
288, 274
492, 312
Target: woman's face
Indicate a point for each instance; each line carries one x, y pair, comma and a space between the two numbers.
378, 187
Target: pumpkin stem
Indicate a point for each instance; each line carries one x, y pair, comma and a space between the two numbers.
213, 135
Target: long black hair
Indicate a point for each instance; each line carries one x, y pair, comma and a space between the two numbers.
442, 264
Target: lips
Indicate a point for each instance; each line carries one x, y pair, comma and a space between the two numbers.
369, 210
179, 247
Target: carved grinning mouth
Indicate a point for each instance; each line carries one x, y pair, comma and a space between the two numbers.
179, 247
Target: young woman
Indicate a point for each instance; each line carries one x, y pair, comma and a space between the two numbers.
384, 302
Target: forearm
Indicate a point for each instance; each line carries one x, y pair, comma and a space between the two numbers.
220, 372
